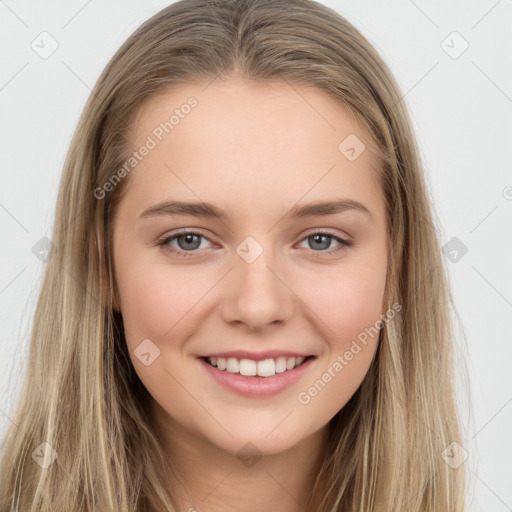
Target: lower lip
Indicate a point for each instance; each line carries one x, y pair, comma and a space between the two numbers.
255, 386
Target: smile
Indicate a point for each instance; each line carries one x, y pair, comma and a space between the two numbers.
249, 367
251, 378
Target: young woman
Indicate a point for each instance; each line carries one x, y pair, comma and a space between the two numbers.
246, 307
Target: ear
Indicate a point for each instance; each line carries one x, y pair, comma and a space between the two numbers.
116, 306
114, 298
384, 305
110, 294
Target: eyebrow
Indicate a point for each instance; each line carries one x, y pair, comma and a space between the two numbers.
208, 210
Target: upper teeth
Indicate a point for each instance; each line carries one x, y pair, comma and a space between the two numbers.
248, 367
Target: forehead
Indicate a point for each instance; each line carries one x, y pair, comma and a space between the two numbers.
253, 142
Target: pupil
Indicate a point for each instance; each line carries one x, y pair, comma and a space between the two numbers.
189, 239
325, 243
323, 240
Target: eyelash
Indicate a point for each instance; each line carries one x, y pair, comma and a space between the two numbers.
164, 243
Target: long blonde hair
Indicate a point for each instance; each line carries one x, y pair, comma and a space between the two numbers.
81, 436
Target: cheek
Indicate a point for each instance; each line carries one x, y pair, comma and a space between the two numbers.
359, 306
346, 301
348, 313
145, 306
159, 299
155, 296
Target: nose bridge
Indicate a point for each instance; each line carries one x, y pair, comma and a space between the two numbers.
257, 296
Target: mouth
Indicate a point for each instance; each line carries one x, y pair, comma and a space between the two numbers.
268, 367
257, 378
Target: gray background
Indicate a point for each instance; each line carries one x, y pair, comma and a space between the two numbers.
461, 104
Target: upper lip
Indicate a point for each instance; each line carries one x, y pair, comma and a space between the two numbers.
256, 356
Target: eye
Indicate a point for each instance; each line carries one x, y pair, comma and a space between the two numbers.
188, 242
320, 240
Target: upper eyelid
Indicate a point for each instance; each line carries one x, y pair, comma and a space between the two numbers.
187, 231
198, 231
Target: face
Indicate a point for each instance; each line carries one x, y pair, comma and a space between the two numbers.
261, 285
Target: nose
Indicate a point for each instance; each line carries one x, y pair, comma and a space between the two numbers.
258, 296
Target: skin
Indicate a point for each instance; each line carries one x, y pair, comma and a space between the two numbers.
254, 150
